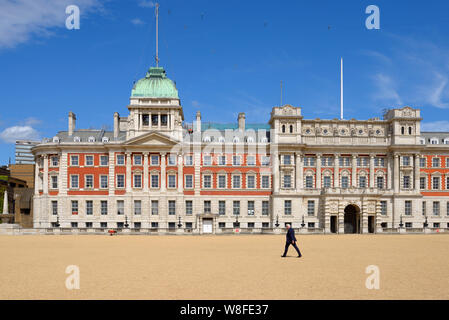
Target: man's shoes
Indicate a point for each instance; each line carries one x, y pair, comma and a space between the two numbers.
283, 256
299, 256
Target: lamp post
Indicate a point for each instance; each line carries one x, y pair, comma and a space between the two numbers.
57, 221
425, 223
126, 222
179, 222
302, 223
400, 223
277, 221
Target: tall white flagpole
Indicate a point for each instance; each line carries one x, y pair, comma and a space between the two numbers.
341, 91
157, 34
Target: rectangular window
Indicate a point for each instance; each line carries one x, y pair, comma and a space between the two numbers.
154, 181
236, 207
408, 208
380, 182
422, 183
207, 206
345, 182
103, 182
435, 162
436, 224
74, 182
435, 183
74, 161
189, 207
207, 160
154, 120
436, 208
251, 160
362, 182
74, 206
250, 224
222, 207
137, 207
189, 225
406, 182
104, 161
189, 181
89, 207
250, 182
172, 207
172, 181
236, 182
74, 224
447, 162
251, 210
207, 181
326, 181
103, 224
422, 162
154, 160
447, 208
54, 182
89, 224
221, 225
265, 182
154, 207
265, 208
222, 160
89, 160
120, 160
408, 225
172, 160
311, 207
154, 225
54, 207
287, 207
405, 161
309, 182
120, 181
236, 160
137, 160
104, 207
137, 181
89, 181
447, 183
383, 208
287, 159
120, 207
424, 208
221, 181
265, 161
287, 181
188, 160
54, 161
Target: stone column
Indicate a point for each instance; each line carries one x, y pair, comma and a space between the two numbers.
417, 172
396, 173
45, 180
336, 170
318, 171
354, 171
389, 172
128, 172
299, 173
159, 121
36, 176
276, 172
163, 170
145, 172
180, 173
371, 171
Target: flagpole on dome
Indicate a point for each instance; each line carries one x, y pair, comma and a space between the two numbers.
157, 34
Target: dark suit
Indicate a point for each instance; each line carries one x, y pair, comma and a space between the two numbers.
290, 236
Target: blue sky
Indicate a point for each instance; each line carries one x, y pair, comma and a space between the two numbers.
225, 56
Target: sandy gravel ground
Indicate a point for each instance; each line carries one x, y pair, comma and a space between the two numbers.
224, 267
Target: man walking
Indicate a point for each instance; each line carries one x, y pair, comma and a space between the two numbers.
291, 240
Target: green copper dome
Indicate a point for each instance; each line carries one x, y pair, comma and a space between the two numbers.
155, 85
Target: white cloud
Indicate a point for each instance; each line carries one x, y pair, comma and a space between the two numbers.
137, 21
11, 134
147, 4
436, 126
386, 89
22, 20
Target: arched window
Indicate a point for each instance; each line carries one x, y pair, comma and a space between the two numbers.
56, 139
402, 130
77, 139
291, 129
434, 141
206, 139
105, 139
91, 139
283, 128
236, 139
409, 130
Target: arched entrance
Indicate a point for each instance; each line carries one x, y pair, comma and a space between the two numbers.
352, 219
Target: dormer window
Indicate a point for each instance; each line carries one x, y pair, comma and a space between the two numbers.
76, 139
422, 141
434, 141
206, 139
221, 139
446, 141
91, 139
236, 140
56, 139
264, 140
249, 140
105, 139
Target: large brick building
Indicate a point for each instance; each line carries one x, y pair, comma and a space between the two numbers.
155, 172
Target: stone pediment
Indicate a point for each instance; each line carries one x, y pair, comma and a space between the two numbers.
152, 138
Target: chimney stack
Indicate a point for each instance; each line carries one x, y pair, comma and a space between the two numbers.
72, 120
198, 121
116, 125
241, 121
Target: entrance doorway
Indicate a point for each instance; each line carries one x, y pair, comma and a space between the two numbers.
352, 219
371, 224
333, 224
207, 225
